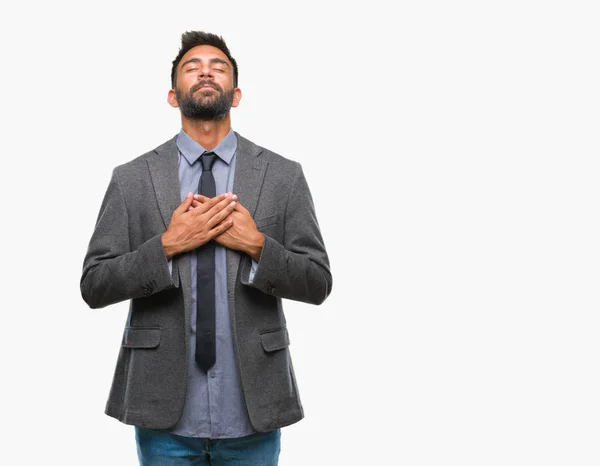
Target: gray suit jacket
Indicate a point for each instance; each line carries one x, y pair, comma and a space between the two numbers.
125, 261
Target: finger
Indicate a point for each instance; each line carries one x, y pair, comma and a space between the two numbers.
210, 202
220, 212
185, 204
239, 207
200, 198
221, 228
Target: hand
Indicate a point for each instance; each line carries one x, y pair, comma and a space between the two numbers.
242, 235
190, 228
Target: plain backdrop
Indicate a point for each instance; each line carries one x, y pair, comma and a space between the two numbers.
452, 152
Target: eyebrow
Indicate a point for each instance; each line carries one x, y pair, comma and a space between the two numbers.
198, 60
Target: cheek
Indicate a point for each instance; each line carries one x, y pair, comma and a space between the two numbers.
187, 84
224, 81
187, 81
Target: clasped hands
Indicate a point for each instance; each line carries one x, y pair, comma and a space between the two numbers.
199, 219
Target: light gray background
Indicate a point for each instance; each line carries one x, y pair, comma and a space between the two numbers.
463, 324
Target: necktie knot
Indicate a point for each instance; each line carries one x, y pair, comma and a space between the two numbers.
208, 160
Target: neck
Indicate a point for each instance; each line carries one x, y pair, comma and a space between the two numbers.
207, 133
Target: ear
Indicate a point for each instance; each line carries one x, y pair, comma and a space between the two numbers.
237, 96
172, 98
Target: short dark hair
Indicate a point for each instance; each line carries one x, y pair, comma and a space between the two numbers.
191, 39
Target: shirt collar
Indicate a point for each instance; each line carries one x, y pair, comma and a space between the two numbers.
192, 151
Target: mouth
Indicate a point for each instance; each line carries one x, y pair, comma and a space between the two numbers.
206, 87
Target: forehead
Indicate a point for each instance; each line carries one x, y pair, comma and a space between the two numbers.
204, 53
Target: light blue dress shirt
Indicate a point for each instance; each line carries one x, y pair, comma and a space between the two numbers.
214, 405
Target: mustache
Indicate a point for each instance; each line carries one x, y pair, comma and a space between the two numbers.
206, 82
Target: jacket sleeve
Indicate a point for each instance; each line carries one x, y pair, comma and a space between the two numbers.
112, 271
299, 268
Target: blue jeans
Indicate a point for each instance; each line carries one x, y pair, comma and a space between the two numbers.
161, 448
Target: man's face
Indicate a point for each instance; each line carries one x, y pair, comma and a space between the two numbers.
204, 88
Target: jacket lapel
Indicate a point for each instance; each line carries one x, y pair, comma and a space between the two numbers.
249, 173
164, 171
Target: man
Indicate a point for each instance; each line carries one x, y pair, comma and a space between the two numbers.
205, 235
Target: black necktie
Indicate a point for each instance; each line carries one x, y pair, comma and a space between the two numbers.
205, 312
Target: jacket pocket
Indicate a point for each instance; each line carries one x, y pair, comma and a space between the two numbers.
275, 340
266, 221
141, 337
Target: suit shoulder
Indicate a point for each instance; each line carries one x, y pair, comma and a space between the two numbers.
271, 156
279, 159
140, 161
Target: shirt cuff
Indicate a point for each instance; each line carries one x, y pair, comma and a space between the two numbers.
253, 270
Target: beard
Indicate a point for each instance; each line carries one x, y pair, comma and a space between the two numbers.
208, 105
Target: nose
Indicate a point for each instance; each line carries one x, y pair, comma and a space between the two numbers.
205, 71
